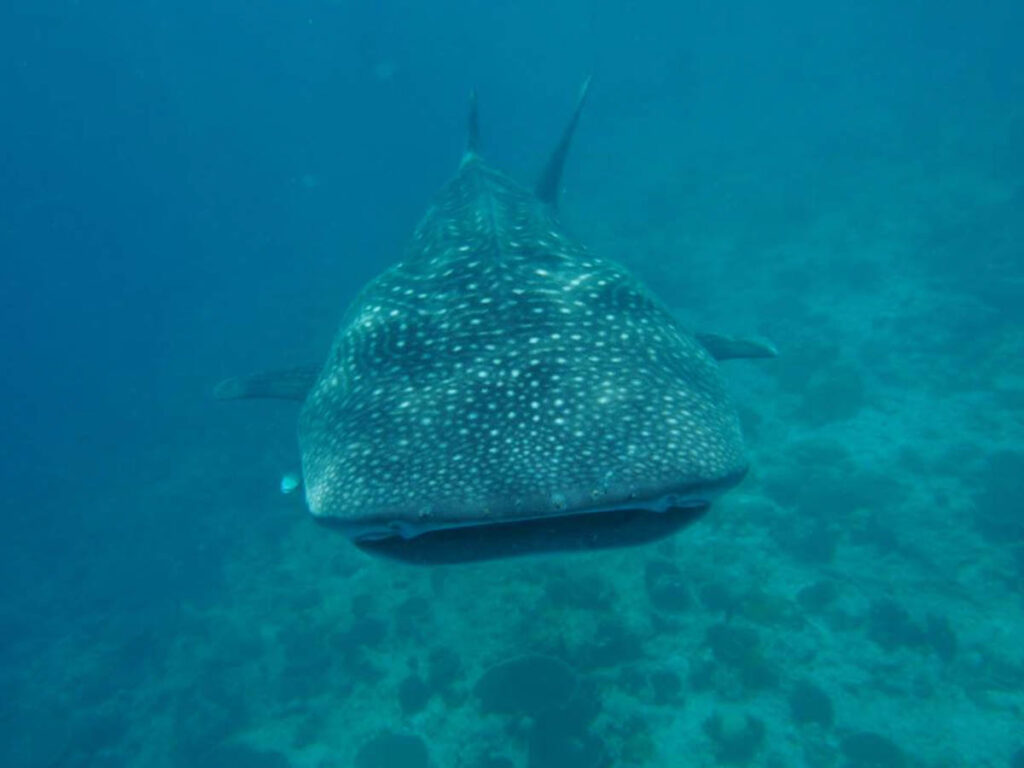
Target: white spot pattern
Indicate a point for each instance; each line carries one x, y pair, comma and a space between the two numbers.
501, 372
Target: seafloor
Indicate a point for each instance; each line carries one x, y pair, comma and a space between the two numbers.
856, 602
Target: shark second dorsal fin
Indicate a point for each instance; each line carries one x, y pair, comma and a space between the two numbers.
551, 179
286, 384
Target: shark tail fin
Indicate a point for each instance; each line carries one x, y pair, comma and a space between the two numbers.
551, 179
287, 384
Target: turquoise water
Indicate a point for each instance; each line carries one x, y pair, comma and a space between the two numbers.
193, 191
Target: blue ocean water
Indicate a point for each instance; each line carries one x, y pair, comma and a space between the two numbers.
191, 191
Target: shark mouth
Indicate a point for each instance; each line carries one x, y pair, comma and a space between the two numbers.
587, 531
627, 524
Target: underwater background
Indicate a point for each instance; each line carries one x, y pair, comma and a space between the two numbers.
194, 190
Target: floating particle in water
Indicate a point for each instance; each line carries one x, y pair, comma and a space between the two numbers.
290, 483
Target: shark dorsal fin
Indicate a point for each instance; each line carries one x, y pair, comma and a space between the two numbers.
472, 128
551, 179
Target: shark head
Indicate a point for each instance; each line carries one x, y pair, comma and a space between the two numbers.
502, 390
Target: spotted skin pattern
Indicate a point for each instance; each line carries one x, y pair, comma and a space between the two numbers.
500, 372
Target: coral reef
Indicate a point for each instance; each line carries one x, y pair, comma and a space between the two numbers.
810, 704
736, 738
872, 750
392, 750
526, 685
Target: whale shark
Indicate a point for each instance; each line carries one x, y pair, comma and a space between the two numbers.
503, 391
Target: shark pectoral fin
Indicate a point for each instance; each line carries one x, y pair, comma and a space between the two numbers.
286, 384
730, 347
